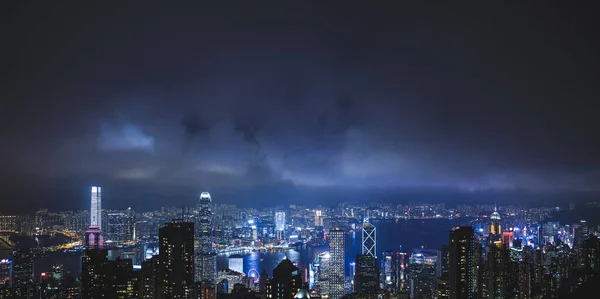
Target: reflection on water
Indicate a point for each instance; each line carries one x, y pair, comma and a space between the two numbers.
391, 235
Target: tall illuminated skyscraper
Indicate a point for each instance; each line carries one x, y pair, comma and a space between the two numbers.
280, 221
204, 223
205, 258
336, 271
93, 235
279, 224
369, 239
96, 208
495, 226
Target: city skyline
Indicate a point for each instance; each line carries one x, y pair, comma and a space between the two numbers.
298, 150
441, 258
417, 102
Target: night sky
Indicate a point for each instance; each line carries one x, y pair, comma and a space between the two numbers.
314, 103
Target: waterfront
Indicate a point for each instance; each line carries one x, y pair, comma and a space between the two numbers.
410, 234
391, 235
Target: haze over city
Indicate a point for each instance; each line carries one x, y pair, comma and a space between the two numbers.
315, 102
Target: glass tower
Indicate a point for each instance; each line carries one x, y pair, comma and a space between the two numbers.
336, 267
204, 223
369, 239
96, 209
205, 258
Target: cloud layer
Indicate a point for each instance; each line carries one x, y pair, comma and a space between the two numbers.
301, 97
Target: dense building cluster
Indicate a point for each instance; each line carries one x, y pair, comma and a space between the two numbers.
498, 252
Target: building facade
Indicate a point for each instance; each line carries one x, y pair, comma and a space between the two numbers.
336, 271
176, 255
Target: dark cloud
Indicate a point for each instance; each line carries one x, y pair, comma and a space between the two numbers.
175, 99
193, 126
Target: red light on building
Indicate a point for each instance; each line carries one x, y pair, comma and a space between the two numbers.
507, 239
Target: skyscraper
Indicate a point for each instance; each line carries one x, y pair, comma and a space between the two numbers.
236, 263
119, 226
96, 208
320, 277
285, 282
280, 224
318, 218
443, 262
93, 279
463, 263
498, 271
204, 223
336, 271
149, 278
390, 271
93, 235
366, 279
369, 239
22, 284
205, 259
176, 255
495, 226
104, 278
5, 274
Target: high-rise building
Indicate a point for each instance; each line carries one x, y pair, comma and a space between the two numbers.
442, 288
320, 274
369, 239
523, 278
204, 232
5, 274
77, 221
495, 226
280, 224
337, 268
366, 278
580, 233
119, 226
463, 263
119, 274
285, 282
443, 262
94, 238
498, 271
8, 223
93, 279
507, 239
205, 258
104, 278
149, 278
318, 218
390, 271
590, 249
207, 271
421, 279
176, 254
96, 209
236, 263
93, 235
23, 286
